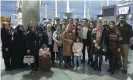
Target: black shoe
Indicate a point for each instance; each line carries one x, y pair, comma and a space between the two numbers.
109, 70
34, 69
8, 69
112, 72
88, 62
99, 70
95, 68
124, 71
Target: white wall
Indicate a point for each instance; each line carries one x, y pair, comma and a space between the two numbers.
109, 18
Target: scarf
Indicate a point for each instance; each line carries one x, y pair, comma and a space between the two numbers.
98, 31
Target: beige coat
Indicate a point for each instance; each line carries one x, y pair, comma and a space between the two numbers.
77, 48
68, 39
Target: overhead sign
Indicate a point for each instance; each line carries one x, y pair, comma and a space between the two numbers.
123, 10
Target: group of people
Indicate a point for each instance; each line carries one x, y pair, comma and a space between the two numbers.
66, 43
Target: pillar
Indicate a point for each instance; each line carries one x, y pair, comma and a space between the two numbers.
30, 12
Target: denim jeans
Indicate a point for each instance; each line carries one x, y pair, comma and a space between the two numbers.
77, 59
59, 54
67, 59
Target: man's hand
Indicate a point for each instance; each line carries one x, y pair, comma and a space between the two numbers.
28, 51
6, 49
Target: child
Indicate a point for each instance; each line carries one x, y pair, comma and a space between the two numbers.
44, 57
77, 49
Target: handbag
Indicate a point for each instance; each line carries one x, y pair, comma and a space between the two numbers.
28, 59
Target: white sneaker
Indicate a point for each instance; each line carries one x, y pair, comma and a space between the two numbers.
75, 68
79, 68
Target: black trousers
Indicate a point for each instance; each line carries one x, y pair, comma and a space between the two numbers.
52, 53
90, 54
98, 61
114, 59
85, 44
7, 59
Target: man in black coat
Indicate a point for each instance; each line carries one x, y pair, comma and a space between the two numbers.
6, 45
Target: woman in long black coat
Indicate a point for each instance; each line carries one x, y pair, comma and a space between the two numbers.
6, 47
32, 46
19, 47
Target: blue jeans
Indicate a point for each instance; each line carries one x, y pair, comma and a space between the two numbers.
67, 59
59, 54
77, 59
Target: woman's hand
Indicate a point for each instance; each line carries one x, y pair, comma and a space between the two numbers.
94, 41
28, 51
119, 50
97, 46
6, 49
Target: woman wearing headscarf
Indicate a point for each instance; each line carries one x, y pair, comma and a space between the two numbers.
113, 54
68, 38
98, 39
32, 46
58, 44
19, 46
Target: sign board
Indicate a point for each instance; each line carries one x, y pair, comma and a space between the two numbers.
123, 10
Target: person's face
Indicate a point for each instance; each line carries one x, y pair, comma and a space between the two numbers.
64, 22
91, 25
76, 21
121, 19
70, 27
99, 24
58, 28
49, 27
111, 25
105, 23
58, 21
85, 22
21, 28
77, 39
45, 48
33, 28
71, 21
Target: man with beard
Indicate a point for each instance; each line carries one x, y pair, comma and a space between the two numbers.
6, 45
126, 33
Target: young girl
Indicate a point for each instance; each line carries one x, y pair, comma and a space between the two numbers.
77, 49
44, 57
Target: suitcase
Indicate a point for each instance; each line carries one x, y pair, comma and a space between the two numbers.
44, 63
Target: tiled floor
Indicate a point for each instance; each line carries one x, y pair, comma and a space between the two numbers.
86, 73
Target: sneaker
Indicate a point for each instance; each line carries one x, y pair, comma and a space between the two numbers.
79, 68
75, 68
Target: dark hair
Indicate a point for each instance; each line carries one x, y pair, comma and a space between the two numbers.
112, 22
85, 19
77, 19
122, 16
93, 23
80, 40
44, 45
